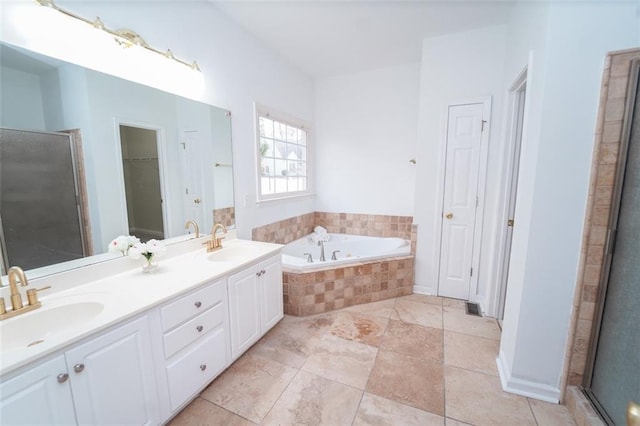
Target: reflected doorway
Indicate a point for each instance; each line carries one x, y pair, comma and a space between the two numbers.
518, 94
143, 191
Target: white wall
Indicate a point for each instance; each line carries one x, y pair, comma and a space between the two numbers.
554, 182
238, 70
365, 136
28, 113
456, 67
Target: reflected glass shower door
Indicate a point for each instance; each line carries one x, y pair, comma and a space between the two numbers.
615, 378
39, 209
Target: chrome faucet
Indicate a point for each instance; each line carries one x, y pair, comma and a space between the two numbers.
216, 243
196, 229
333, 255
309, 257
321, 244
16, 275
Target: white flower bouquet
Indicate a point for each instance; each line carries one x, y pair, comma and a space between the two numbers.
123, 243
150, 251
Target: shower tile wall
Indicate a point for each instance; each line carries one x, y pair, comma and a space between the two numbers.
611, 111
603, 171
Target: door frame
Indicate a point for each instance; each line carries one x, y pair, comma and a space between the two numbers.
513, 148
482, 178
162, 168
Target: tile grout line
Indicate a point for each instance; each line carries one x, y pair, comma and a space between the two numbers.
286, 387
444, 363
533, 414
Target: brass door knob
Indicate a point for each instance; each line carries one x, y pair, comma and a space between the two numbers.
633, 414
449, 215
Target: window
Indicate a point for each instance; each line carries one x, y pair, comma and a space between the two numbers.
283, 156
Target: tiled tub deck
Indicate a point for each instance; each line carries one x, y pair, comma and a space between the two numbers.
324, 290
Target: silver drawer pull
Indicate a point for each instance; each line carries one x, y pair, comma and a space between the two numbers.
199, 328
258, 274
262, 272
203, 367
198, 304
78, 368
62, 377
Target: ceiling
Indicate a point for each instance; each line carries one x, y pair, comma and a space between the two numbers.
332, 37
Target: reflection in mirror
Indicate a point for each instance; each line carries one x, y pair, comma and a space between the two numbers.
111, 188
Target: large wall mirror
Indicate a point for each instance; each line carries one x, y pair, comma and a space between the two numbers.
86, 157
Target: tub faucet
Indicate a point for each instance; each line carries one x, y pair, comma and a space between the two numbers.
333, 255
321, 244
309, 257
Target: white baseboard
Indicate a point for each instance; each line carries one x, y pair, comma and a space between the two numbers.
525, 387
420, 289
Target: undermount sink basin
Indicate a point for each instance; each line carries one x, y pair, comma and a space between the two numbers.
37, 326
232, 253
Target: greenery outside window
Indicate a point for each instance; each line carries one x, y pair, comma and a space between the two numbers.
283, 156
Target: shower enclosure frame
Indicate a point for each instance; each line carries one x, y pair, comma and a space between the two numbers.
612, 226
77, 161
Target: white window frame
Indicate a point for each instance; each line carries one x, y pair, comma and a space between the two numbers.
262, 111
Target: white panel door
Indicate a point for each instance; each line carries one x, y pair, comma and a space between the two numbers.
464, 138
192, 175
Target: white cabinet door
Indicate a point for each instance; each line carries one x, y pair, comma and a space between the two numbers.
112, 377
37, 397
244, 310
271, 289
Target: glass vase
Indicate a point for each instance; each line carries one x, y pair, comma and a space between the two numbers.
149, 265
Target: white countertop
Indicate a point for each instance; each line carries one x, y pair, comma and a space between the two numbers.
125, 294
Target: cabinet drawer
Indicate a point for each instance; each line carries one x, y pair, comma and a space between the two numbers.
192, 304
190, 331
187, 374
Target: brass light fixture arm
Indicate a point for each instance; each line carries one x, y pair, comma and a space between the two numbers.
124, 37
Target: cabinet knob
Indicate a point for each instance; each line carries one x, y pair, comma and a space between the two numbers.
62, 377
78, 368
258, 274
203, 367
262, 272
198, 304
199, 328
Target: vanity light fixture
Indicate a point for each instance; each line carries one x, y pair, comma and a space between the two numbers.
125, 38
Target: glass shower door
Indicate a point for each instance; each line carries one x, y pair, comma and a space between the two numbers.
39, 212
615, 378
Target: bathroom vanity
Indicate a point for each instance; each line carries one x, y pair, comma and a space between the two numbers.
111, 345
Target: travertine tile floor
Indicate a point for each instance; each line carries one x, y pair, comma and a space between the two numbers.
413, 360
